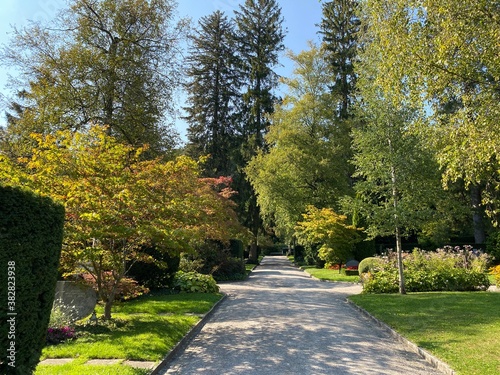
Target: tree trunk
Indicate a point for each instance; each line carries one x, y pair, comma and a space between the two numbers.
399, 249
107, 308
252, 255
477, 215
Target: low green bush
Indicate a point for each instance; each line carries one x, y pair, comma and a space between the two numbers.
194, 282
230, 269
159, 272
380, 282
215, 258
447, 269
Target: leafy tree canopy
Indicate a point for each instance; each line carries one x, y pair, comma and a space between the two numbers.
105, 62
306, 163
116, 202
329, 230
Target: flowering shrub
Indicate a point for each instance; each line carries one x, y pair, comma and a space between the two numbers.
447, 269
59, 325
56, 335
60, 316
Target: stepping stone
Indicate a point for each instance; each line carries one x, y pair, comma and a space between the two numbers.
140, 364
55, 361
103, 361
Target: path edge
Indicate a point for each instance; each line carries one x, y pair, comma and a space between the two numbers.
183, 343
436, 362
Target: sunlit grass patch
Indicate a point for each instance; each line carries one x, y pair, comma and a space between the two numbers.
143, 329
329, 274
461, 328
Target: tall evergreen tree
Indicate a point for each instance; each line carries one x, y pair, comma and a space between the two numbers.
110, 62
340, 26
213, 94
260, 37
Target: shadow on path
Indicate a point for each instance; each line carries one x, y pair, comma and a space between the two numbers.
280, 321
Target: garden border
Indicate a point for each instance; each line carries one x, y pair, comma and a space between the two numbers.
437, 363
183, 343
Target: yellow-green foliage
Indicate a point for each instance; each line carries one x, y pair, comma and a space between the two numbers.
495, 271
331, 231
116, 201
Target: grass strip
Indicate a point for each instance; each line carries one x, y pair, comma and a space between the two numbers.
330, 275
460, 328
77, 367
144, 329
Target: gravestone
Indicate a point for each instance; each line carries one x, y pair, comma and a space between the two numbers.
75, 299
352, 263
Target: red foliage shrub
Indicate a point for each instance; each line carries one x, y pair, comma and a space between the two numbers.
127, 288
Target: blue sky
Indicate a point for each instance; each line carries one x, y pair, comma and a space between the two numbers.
301, 17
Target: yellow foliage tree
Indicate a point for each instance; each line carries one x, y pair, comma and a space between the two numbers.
330, 230
116, 202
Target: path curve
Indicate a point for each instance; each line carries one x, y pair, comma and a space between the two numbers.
281, 321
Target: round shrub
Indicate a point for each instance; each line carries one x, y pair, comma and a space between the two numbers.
370, 264
194, 282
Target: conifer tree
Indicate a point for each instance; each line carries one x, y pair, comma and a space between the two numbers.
339, 28
260, 37
213, 96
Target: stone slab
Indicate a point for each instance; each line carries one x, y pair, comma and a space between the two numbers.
103, 361
140, 364
55, 361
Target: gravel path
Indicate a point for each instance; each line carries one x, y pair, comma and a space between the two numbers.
280, 321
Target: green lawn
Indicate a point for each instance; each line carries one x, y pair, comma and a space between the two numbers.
328, 274
462, 329
78, 367
146, 329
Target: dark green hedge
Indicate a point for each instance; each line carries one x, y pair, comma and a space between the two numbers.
155, 275
31, 230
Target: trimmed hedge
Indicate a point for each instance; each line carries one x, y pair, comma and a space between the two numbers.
216, 258
31, 232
